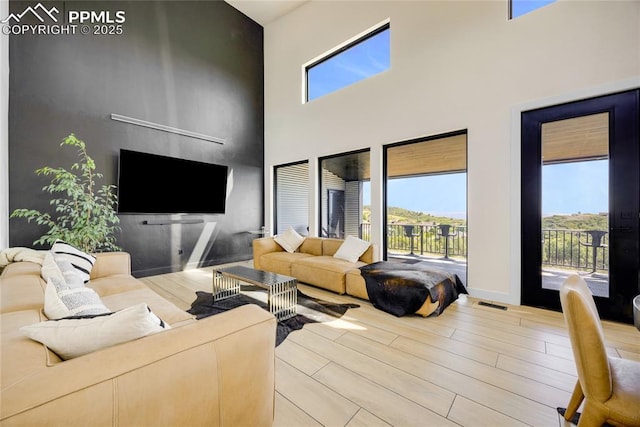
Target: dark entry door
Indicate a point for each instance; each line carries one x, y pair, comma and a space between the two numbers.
602, 247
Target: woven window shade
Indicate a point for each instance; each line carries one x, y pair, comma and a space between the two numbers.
580, 138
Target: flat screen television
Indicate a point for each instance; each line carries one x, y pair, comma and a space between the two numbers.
154, 184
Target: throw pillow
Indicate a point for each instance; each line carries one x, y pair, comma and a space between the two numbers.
290, 240
70, 274
70, 338
62, 300
54, 308
351, 249
50, 267
81, 261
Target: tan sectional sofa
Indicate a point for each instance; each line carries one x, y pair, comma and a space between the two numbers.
313, 263
215, 371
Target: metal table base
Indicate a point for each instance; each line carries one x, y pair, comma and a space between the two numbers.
282, 291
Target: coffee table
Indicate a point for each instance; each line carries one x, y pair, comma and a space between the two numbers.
282, 291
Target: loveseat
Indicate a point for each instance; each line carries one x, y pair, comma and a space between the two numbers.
313, 262
215, 371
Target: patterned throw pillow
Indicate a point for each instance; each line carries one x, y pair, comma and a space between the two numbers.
50, 267
64, 300
74, 337
71, 276
81, 261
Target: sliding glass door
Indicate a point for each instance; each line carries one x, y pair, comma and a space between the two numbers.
426, 202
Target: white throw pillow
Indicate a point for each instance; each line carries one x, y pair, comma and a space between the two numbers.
351, 249
290, 240
70, 338
50, 268
54, 308
62, 300
81, 261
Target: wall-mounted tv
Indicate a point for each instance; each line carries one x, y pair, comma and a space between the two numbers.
154, 184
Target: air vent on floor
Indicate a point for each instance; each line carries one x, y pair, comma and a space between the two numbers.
488, 304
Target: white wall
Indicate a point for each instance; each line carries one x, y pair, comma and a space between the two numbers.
4, 131
454, 65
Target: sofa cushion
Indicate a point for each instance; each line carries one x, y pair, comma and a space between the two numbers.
280, 262
351, 249
81, 261
356, 285
71, 338
160, 306
115, 284
20, 355
324, 271
312, 246
331, 246
21, 287
290, 240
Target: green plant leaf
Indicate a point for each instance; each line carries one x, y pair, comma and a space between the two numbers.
85, 218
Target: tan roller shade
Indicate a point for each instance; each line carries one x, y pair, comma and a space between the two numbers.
428, 157
581, 138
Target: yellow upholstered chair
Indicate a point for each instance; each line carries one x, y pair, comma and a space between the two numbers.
610, 387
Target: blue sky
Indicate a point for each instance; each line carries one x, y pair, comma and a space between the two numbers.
566, 188
575, 187
359, 62
520, 7
444, 195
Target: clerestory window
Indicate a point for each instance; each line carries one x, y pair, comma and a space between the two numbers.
520, 7
364, 57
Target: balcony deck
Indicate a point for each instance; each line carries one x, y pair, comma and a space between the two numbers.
552, 278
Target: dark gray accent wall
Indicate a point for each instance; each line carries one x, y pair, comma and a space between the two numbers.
196, 66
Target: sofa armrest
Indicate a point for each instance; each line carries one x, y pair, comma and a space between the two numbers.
261, 246
110, 263
370, 255
216, 371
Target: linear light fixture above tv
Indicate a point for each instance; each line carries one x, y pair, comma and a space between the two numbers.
154, 184
165, 128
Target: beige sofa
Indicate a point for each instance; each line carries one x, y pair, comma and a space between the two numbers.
215, 371
313, 263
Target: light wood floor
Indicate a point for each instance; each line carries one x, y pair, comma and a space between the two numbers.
471, 366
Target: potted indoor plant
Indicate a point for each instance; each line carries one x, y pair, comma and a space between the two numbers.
85, 216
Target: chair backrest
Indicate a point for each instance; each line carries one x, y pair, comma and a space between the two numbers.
587, 338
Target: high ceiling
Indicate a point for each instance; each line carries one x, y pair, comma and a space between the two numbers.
265, 11
567, 140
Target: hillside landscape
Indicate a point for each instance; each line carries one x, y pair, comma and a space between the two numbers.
579, 221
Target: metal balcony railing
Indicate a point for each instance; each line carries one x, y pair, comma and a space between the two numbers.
576, 249
417, 239
585, 250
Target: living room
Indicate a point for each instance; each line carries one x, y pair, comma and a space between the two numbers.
206, 68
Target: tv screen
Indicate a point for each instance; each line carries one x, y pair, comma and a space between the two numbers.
149, 183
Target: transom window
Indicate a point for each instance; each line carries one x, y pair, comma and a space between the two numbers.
366, 56
520, 7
